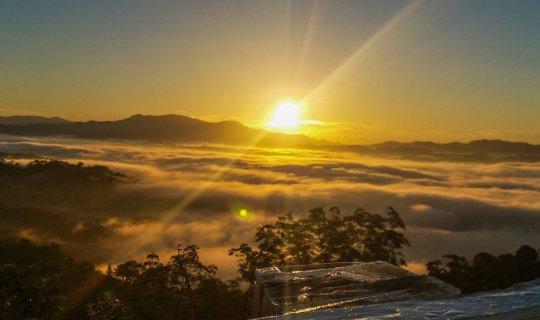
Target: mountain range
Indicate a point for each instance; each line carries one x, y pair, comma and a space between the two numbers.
162, 128
29, 120
474, 151
183, 129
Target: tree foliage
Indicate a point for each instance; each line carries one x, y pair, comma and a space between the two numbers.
486, 271
107, 306
27, 292
182, 288
43, 282
56, 174
323, 237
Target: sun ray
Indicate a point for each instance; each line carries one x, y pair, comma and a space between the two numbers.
308, 36
144, 238
395, 21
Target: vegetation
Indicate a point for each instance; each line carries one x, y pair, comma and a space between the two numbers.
60, 200
26, 292
486, 271
43, 282
40, 172
322, 237
108, 307
42, 183
182, 288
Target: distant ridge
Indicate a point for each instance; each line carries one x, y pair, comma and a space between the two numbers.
162, 128
474, 151
184, 129
28, 120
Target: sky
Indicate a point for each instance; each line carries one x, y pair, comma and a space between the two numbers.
363, 71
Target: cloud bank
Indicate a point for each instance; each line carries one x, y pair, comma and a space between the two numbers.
191, 194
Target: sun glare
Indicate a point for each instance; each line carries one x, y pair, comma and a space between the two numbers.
286, 115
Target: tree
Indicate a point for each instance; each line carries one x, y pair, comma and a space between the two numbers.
182, 288
107, 307
28, 292
323, 238
487, 272
457, 271
43, 282
375, 237
146, 289
128, 271
187, 272
219, 300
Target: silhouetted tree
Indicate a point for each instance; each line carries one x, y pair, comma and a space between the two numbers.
28, 292
107, 306
487, 272
320, 238
43, 282
183, 288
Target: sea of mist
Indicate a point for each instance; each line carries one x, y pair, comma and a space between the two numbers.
191, 194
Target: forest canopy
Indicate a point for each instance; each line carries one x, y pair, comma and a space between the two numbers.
487, 271
324, 237
43, 282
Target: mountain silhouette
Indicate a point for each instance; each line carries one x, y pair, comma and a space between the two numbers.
162, 128
474, 151
184, 129
28, 120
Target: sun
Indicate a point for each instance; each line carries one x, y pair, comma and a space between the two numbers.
286, 115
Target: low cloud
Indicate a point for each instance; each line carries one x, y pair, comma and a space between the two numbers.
189, 194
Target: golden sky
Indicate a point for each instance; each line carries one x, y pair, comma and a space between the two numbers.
367, 70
